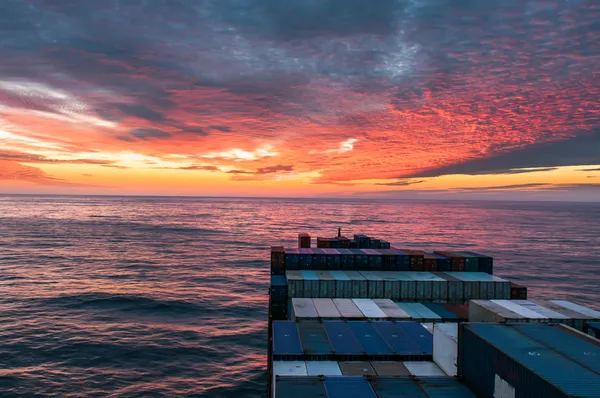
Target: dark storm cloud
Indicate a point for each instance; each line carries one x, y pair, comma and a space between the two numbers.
224, 129
580, 150
401, 183
141, 111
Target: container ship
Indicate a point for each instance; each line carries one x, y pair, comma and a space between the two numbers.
358, 318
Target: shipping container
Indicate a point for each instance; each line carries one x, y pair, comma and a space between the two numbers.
295, 283
445, 347
553, 316
368, 337
461, 311
374, 243
348, 387
567, 344
279, 289
428, 326
454, 287
423, 368
389, 368
348, 309
402, 260
520, 366
592, 328
374, 260
445, 387
304, 308
530, 315
409, 309
344, 242
577, 319
396, 387
327, 284
385, 244
292, 259
471, 262
311, 283
578, 308
486, 263
488, 311
418, 334
390, 309
346, 259
326, 309
398, 340
305, 258
369, 309
416, 259
457, 261
361, 260
363, 241
314, 341
304, 240
277, 260
442, 312
357, 368
359, 285
323, 368
319, 259
299, 387
518, 292
289, 368
286, 341
375, 284
343, 284
422, 312
342, 339
333, 259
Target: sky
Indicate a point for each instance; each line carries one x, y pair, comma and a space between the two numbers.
342, 98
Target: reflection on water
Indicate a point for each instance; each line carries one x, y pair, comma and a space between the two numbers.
167, 297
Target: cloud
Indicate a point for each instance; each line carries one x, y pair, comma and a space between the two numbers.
31, 158
205, 168
504, 187
274, 169
596, 169
140, 111
241, 154
401, 183
149, 133
224, 129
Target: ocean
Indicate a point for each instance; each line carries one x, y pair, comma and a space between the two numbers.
151, 297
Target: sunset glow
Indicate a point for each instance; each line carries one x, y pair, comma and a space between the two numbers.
223, 98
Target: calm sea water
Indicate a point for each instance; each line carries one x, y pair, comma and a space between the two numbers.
168, 297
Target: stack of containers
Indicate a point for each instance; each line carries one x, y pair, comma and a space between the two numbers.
277, 260
416, 259
458, 261
528, 361
485, 263
278, 297
518, 292
304, 241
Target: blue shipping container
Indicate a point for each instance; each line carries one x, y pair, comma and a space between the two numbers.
369, 339
418, 334
520, 365
441, 311
348, 387
444, 387
299, 387
342, 339
397, 339
592, 328
314, 339
286, 340
569, 345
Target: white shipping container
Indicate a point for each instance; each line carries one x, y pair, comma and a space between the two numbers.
326, 308
323, 368
488, 311
423, 368
288, 368
348, 309
304, 308
445, 347
577, 308
391, 309
512, 306
541, 310
369, 309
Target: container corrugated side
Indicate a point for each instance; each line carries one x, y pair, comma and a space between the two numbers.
348, 309
455, 289
358, 285
343, 284
348, 387
304, 308
299, 387
323, 368
445, 347
521, 365
369, 309
592, 328
314, 341
391, 309
326, 308
566, 344
370, 339
374, 284
327, 284
295, 283
311, 283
